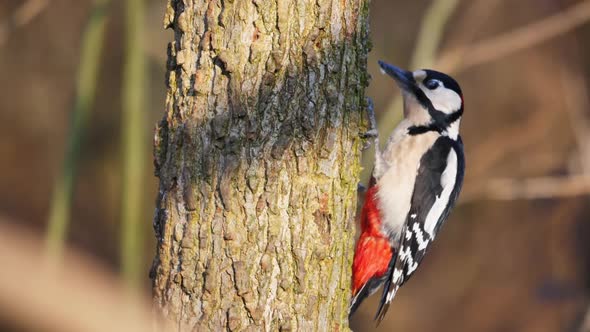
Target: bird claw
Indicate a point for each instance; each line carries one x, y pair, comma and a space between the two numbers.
372, 131
371, 113
361, 188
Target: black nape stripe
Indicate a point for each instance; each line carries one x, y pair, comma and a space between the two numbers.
454, 116
417, 130
439, 125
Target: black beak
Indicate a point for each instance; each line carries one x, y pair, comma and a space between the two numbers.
405, 79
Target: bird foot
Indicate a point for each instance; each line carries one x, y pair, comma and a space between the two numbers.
361, 188
372, 131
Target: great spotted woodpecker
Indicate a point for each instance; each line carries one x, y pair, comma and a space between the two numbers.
415, 184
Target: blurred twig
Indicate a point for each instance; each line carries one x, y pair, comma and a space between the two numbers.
23, 15
472, 19
515, 40
431, 31
133, 143
92, 43
75, 295
502, 143
534, 188
575, 87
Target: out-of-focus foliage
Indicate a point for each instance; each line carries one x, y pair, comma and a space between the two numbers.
514, 255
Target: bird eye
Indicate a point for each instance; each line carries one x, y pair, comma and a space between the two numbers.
432, 84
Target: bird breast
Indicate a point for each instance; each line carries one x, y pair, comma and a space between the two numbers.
402, 156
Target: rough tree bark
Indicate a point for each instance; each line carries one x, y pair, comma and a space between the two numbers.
258, 160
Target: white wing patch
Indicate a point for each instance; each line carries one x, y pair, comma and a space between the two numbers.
408, 234
397, 273
422, 242
447, 182
412, 266
391, 294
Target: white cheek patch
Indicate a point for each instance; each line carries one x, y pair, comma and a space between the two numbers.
443, 99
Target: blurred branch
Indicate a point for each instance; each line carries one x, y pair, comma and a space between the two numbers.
76, 295
515, 40
472, 19
535, 188
92, 43
134, 143
22, 16
431, 31
575, 88
501, 143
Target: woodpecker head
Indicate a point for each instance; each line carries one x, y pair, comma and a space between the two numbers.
431, 99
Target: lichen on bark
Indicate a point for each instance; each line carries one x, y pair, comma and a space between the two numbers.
258, 160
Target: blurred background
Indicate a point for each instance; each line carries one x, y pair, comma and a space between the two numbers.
515, 255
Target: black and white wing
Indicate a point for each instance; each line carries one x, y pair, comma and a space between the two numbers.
437, 186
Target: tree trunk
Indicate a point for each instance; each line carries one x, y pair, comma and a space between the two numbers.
258, 160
